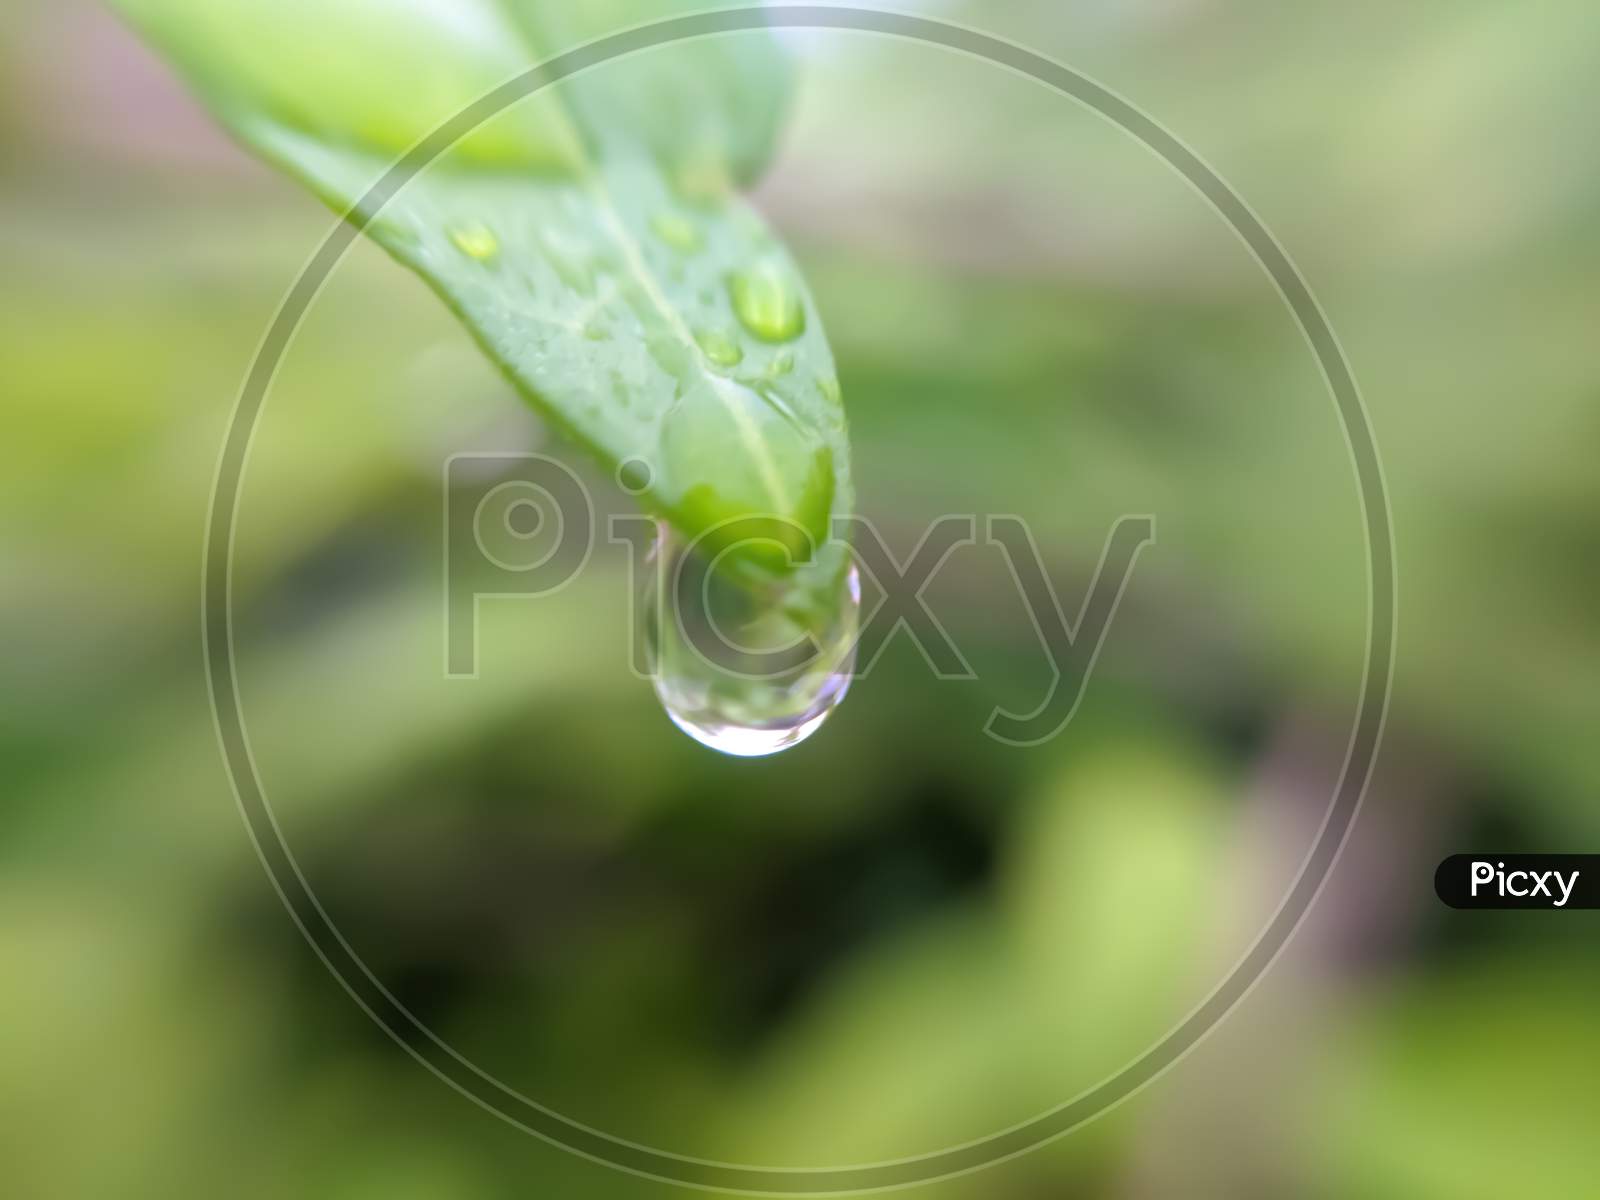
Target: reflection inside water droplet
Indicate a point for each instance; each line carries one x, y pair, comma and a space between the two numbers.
735, 668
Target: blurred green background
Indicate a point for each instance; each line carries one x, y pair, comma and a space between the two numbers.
901, 934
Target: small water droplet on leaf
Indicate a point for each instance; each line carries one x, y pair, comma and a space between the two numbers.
719, 348
702, 180
676, 231
767, 302
476, 242
572, 262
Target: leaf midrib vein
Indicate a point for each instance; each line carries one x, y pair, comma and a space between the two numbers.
594, 182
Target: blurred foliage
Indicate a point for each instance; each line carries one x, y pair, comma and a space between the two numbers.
899, 934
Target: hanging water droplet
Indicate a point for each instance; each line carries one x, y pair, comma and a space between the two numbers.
676, 232
721, 349
767, 302
734, 667
782, 363
476, 242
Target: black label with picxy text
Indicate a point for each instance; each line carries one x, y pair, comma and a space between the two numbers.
1519, 881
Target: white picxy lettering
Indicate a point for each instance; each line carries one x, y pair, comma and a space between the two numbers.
1511, 883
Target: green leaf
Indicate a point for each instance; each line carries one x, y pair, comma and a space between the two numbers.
587, 236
